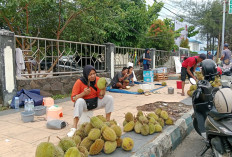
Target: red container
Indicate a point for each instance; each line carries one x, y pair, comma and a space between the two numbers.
179, 84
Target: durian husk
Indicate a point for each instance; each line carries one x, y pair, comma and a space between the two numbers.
96, 147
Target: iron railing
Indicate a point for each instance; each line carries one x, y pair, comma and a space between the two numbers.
123, 55
161, 57
54, 57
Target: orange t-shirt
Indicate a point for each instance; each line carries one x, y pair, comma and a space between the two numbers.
79, 87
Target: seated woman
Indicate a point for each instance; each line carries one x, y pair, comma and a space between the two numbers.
88, 96
131, 75
120, 79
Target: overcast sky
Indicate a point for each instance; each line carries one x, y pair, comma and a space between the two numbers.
171, 6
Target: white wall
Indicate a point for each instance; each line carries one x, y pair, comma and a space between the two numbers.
194, 46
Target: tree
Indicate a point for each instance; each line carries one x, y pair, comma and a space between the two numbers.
192, 32
184, 43
160, 36
207, 16
123, 22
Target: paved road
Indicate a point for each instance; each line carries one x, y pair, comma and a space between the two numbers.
190, 147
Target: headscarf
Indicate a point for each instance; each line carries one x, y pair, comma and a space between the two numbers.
147, 55
84, 78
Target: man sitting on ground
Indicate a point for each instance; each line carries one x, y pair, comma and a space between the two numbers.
88, 96
120, 79
189, 65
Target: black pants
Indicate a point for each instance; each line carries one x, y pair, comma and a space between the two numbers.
184, 73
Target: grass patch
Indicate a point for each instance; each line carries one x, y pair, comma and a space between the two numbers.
60, 96
2, 108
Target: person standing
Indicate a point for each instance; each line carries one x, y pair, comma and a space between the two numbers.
226, 57
87, 96
210, 56
188, 67
146, 59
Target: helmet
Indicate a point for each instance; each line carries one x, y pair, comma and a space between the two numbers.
209, 69
223, 100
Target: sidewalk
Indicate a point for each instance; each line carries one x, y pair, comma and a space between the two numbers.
21, 139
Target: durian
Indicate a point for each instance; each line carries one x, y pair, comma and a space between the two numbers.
127, 143
101, 83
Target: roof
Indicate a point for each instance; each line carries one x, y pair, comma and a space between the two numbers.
194, 41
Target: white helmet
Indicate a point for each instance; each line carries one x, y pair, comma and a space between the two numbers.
223, 100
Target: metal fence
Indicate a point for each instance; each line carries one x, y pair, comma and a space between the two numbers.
123, 55
53, 57
162, 57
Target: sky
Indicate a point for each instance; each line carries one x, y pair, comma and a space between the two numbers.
164, 13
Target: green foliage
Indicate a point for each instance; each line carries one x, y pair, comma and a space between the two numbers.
60, 96
184, 43
160, 36
207, 15
175, 47
122, 22
2, 108
192, 32
192, 52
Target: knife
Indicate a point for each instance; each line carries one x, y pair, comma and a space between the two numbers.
88, 83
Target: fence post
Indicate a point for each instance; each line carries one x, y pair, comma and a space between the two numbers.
7, 66
110, 48
152, 54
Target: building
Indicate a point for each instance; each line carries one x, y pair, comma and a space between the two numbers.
194, 45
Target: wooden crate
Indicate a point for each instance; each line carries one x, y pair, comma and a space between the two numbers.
160, 76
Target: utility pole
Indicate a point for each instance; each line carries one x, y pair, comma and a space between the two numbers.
223, 24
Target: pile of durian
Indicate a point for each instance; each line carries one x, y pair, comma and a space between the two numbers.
146, 124
91, 138
191, 90
216, 82
199, 75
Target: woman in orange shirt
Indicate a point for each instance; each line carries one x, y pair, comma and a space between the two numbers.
88, 96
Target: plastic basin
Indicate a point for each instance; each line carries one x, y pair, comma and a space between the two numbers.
27, 116
40, 110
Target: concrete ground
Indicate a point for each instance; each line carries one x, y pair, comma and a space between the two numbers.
21, 139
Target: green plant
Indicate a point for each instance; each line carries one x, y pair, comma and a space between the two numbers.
60, 96
184, 43
2, 108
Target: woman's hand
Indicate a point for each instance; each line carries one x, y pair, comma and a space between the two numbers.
87, 91
102, 93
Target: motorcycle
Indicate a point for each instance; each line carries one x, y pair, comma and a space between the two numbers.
227, 78
214, 127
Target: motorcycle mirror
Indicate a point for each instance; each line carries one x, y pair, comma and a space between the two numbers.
192, 81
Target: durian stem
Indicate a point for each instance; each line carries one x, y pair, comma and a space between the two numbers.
48, 138
58, 137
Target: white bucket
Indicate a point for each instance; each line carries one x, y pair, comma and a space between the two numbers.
85, 117
146, 86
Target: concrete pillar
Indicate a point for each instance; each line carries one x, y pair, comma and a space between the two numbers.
110, 48
7, 66
152, 54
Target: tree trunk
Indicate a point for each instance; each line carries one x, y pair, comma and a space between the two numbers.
213, 46
210, 43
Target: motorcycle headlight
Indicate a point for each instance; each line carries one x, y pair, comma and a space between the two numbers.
225, 131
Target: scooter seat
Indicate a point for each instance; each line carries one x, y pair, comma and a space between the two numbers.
218, 116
